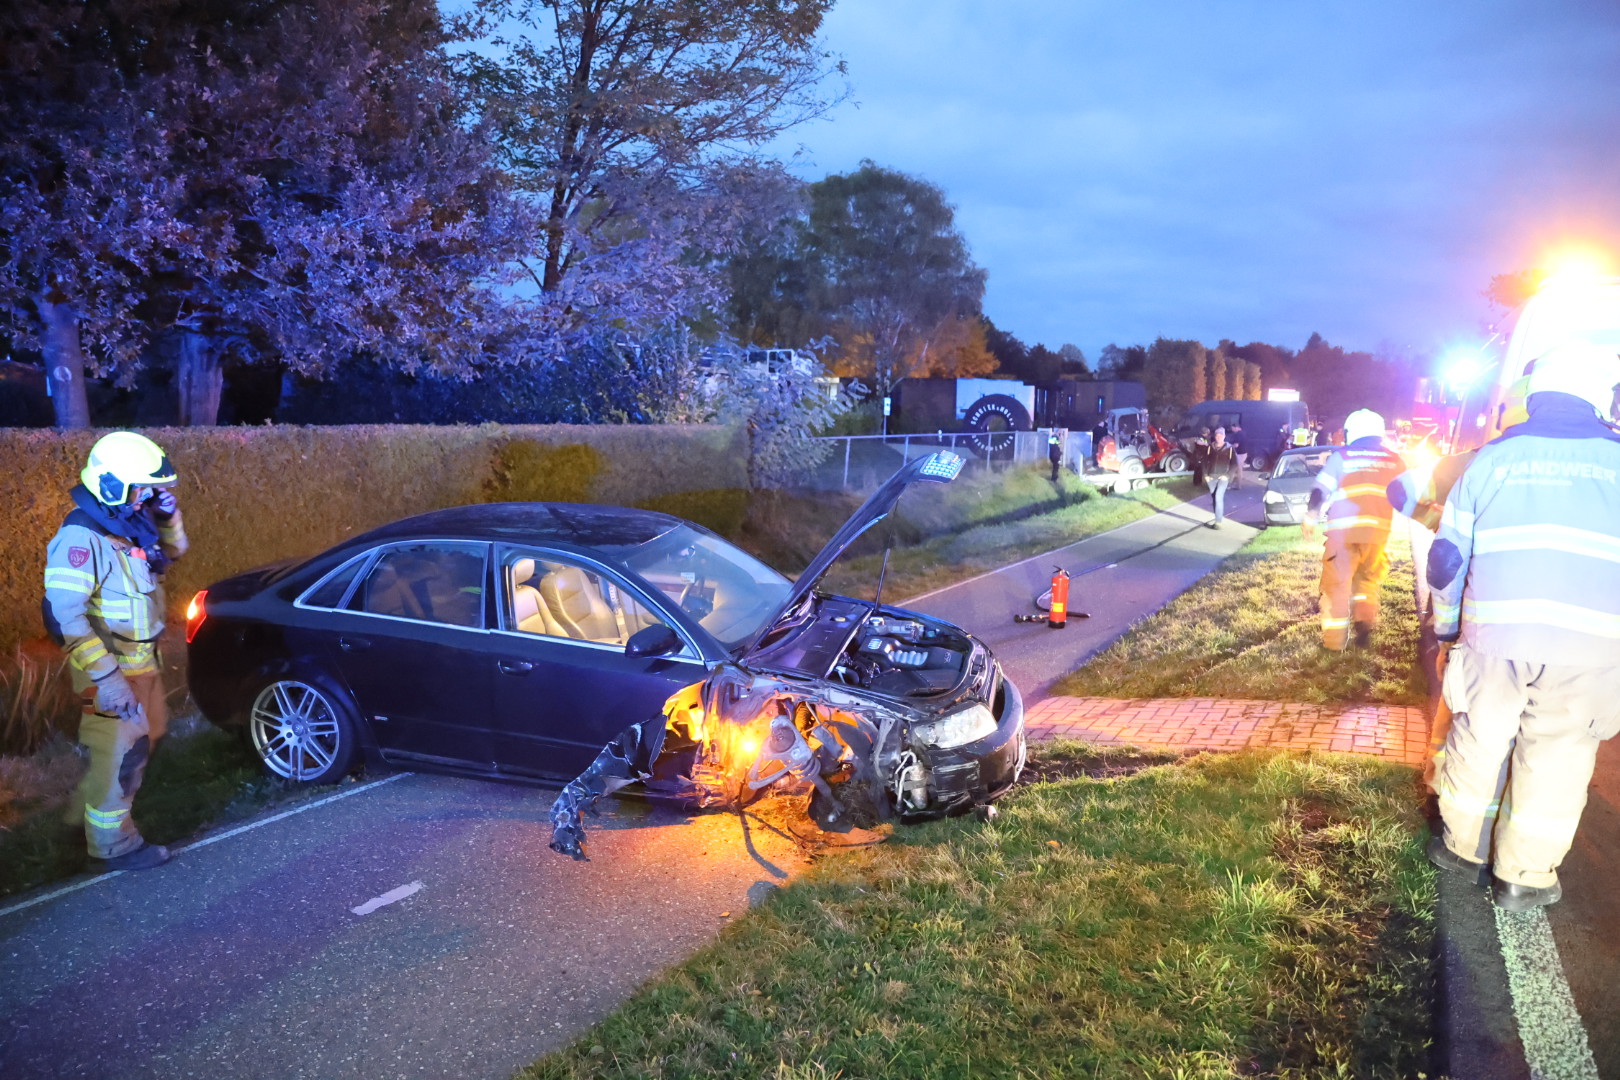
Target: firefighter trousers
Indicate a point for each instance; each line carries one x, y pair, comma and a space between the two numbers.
119, 750
1517, 762
1351, 575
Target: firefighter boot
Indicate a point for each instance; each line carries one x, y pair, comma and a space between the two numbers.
1363, 632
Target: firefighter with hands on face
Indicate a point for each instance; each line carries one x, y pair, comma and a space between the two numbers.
1351, 503
1525, 573
104, 606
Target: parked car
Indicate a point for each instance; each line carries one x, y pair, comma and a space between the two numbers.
520, 639
1288, 488
1265, 424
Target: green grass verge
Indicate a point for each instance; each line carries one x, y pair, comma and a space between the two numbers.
1237, 915
197, 779
1252, 630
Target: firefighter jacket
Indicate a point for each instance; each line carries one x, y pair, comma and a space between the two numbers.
1526, 565
1350, 497
103, 594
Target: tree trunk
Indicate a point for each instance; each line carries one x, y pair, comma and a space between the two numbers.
64, 362
201, 380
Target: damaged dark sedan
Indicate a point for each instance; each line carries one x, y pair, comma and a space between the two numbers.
617, 647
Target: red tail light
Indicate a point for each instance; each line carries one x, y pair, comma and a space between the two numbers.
196, 612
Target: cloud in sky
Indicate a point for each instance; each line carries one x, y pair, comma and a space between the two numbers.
1252, 169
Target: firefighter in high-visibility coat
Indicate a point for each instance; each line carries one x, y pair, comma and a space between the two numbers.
1351, 504
1421, 495
1525, 571
104, 606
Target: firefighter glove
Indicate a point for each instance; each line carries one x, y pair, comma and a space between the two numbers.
114, 697
164, 504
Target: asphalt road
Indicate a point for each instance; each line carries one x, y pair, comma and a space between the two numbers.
246, 958
1117, 578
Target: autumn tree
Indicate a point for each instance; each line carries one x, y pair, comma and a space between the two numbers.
634, 128
1175, 376
1121, 362
292, 180
1511, 290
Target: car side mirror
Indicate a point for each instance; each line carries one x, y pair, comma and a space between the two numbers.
655, 640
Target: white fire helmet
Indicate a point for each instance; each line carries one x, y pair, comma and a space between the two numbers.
1362, 423
1588, 371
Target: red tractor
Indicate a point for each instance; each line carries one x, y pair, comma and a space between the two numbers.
1131, 446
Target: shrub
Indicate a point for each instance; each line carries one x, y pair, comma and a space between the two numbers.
255, 495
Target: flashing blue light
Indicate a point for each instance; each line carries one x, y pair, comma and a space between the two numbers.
940, 466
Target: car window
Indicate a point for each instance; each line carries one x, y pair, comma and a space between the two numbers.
330, 593
553, 596
1300, 464
728, 591
436, 582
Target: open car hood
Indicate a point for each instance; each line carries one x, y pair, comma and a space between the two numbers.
939, 467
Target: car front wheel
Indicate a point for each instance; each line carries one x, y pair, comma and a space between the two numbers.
302, 730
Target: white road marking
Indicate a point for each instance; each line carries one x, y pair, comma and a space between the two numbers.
99, 878
1555, 1045
392, 896
908, 601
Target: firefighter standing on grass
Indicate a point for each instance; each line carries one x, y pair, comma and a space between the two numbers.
1351, 503
104, 606
1525, 570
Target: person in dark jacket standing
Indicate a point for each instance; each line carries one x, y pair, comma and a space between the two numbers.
1054, 454
1219, 466
1241, 450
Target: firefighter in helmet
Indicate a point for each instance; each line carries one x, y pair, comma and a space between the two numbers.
104, 606
1351, 503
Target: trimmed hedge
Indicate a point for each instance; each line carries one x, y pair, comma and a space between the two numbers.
255, 495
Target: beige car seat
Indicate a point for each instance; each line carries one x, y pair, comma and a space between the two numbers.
529, 611
578, 606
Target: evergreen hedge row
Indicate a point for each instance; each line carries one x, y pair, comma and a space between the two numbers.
255, 495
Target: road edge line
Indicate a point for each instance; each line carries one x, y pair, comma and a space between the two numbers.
1556, 1045
249, 827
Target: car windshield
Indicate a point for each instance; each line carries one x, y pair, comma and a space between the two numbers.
728, 591
1301, 464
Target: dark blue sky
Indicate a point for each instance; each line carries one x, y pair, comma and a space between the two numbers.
1252, 169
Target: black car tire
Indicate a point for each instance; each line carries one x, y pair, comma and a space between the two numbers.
1261, 463
302, 728
1174, 461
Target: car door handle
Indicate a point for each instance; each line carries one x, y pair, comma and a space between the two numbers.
353, 644
515, 667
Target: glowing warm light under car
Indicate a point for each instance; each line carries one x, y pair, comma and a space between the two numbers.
196, 612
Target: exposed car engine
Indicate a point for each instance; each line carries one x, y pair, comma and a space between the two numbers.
903, 658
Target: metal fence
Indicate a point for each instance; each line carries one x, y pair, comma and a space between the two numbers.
859, 462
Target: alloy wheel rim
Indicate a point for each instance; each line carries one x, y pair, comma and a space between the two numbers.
295, 730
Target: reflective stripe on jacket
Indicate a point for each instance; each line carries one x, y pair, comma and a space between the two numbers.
1527, 558
103, 598
1351, 498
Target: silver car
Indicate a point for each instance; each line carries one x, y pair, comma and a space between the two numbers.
1289, 486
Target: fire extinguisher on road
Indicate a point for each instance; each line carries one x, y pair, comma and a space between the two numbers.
1055, 601
1057, 616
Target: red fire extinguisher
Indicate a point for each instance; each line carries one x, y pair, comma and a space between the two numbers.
1057, 616
1055, 601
